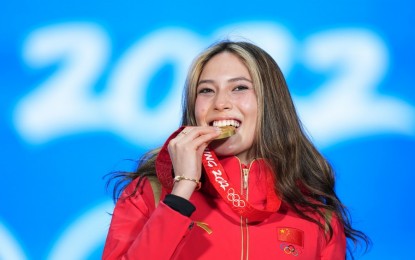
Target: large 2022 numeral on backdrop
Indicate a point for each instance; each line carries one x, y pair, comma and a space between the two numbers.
354, 61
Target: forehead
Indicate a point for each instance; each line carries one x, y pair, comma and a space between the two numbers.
224, 64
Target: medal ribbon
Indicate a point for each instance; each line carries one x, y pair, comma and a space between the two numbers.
236, 201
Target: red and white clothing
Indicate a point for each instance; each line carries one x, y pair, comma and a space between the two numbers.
141, 230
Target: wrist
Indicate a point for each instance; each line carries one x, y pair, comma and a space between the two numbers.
184, 178
184, 189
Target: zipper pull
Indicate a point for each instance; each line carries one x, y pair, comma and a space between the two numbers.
245, 171
204, 226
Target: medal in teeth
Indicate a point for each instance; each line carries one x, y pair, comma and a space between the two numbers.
227, 128
227, 131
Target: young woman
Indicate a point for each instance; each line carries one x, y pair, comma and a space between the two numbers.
265, 192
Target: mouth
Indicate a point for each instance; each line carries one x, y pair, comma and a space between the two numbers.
227, 122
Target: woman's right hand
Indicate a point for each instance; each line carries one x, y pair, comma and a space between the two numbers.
186, 151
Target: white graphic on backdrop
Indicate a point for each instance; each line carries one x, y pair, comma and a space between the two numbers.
346, 105
85, 235
123, 103
9, 247
64, 103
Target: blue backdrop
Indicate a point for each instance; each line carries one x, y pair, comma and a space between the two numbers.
85, 85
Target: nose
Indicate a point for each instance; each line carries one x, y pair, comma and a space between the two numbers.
222, 101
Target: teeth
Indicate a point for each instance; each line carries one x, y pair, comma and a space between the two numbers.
226, 123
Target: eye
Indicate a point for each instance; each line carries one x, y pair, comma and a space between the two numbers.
240, 87
204, 90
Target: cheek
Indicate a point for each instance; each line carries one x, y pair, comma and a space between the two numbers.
200, 112
250, 109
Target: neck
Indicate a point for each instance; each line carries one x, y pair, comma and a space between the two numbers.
245, 157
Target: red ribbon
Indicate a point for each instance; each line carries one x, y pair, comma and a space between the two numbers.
236, 201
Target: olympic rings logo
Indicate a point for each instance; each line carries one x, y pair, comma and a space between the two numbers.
289, 249
235, 198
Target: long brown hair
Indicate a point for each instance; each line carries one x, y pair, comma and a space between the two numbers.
304, 179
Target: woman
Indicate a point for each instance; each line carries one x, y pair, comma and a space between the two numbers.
266, 192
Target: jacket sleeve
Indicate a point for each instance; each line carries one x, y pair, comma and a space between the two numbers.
335, 248
139, 230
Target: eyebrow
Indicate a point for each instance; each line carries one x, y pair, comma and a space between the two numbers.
230, 80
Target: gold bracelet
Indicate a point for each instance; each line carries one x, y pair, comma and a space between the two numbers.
181, 177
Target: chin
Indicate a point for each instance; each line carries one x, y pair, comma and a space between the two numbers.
221, 150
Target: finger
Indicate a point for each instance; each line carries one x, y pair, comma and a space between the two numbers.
186, 130
201, 130
201, 148
193, 138
205, 139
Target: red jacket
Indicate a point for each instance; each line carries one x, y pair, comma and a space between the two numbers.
141, 230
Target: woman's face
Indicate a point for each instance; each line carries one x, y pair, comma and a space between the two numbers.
226, 96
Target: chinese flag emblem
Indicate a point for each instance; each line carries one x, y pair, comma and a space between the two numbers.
291, 235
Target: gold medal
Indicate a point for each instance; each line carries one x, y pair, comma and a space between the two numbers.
227, 131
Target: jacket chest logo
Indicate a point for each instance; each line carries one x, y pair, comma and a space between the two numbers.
291, 240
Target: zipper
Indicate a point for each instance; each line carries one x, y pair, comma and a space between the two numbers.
182, 242
244, 221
